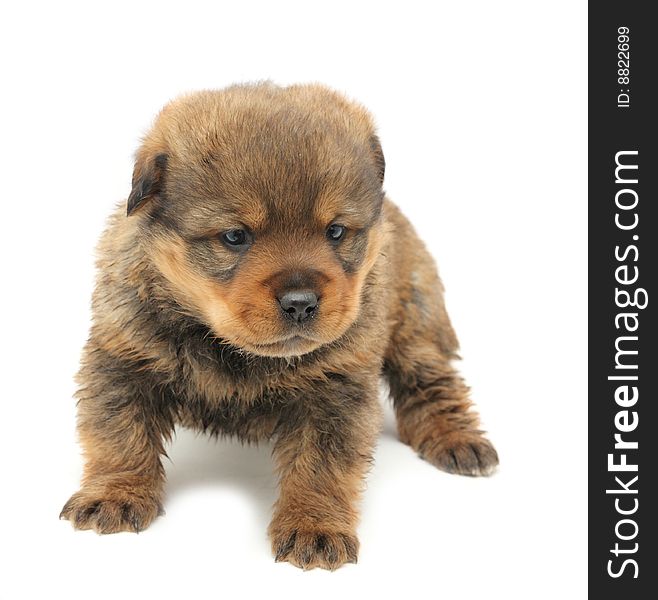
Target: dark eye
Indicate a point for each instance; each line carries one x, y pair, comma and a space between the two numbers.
236, 238
335, 232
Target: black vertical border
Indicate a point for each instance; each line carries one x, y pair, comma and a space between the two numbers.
612, 129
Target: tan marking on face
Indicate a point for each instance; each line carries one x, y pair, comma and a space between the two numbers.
197, 294
354, 286
253, 213
255, 302
220, 306
331, 207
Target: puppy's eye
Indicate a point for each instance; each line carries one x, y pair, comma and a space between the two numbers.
335, 232
236, 238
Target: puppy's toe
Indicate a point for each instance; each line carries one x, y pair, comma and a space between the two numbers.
461, 452
109, 514
311, 549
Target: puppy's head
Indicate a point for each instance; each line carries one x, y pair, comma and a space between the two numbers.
261, 207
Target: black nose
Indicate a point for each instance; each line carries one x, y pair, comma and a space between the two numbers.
299, 305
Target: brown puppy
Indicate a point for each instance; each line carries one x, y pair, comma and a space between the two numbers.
259, 286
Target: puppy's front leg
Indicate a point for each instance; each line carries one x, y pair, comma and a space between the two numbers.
121, 430
324, 447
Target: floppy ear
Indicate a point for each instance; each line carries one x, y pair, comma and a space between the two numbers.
376, 148
148, 180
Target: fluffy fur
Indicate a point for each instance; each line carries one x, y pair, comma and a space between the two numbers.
190, 330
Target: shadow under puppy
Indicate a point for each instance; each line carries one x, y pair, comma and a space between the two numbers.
259, 286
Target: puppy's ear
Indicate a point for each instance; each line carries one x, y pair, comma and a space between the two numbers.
380, 163
148, 180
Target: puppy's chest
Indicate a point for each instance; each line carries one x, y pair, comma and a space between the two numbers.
231, 396
216, 374
209, 375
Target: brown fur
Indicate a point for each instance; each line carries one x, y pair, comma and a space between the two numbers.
189, 330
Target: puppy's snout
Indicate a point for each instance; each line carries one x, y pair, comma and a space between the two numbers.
299, 305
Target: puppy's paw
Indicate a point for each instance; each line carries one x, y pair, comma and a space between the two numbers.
315, 548
109, 513
461, 452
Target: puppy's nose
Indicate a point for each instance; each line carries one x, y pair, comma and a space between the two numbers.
299, 305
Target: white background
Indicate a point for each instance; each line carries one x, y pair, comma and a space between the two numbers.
482, 114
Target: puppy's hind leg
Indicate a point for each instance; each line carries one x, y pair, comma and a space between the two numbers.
431, 400
434, 417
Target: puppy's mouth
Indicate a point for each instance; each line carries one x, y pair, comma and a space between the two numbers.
294, 345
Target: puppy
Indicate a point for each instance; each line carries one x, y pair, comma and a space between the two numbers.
258, 284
